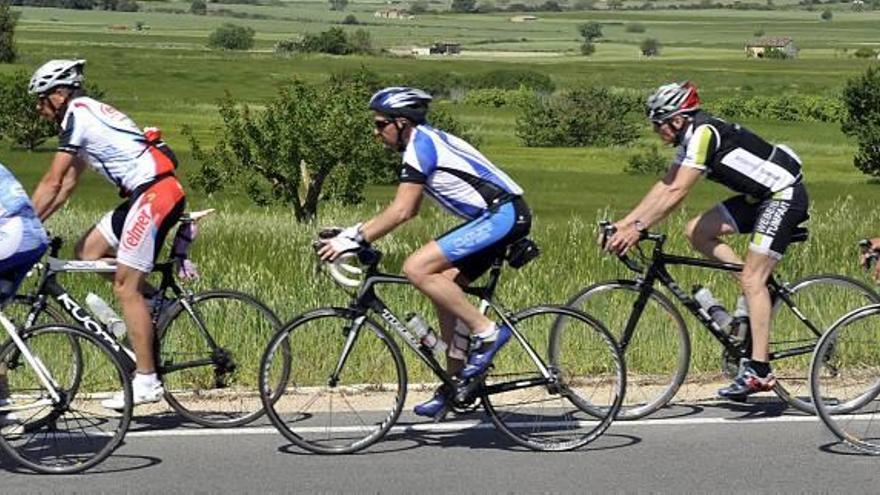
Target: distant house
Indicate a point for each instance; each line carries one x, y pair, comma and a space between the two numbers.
393, 14
758, 47
524, 18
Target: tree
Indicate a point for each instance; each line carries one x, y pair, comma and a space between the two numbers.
350, 20
198, 7
8, 21
339, 5
861, 96
826, 15
463, 5
650, 47
310, 143
232, 37
590, 31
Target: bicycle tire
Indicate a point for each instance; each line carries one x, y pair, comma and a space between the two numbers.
26, 441
377, 382
651, 385
823, 299
846, 401
214, 393
19, 308
554, 416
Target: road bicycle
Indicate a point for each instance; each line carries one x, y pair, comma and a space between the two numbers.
654, 338
208, 341
52, 378
845, 373
347, 384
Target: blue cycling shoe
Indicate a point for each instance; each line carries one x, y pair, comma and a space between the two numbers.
478, 361
435, 406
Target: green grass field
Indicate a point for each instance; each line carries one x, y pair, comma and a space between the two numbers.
165, 76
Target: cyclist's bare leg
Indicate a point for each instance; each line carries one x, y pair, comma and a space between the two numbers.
137, 316
93, 246
704, 233
425, 268
447, 322
756, 271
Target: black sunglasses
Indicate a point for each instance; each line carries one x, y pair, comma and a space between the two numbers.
382, 124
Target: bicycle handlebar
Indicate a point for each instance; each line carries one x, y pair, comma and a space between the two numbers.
608, 229
342, 270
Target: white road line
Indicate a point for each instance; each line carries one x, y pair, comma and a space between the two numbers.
468, 425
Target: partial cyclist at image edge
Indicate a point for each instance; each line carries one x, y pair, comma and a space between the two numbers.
771, 203
142, 167
465, 183
22, 243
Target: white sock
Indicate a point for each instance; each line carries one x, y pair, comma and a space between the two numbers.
145, 380
489, 334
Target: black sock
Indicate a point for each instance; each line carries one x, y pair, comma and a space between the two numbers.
760, 368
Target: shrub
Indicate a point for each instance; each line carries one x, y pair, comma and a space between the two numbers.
127, 6
8, 21
775, 54
513, 79
463, 5
498, 97
650, 47
438, 83
861, 97
198, 7
333, 41
650, 162
826, 15
758, 32
634, 27
418, 7
232, 37
592, 116
587, 48
865, 52
338, 5
350, 19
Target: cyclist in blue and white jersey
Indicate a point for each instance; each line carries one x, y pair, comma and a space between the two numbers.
772, 201
22, 242
464, 182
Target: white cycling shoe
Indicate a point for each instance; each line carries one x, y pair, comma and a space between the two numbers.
140, 395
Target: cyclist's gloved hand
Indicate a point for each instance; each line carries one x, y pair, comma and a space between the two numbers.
186, 270
346, 241
625, 237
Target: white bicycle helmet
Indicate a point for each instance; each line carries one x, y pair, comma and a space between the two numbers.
55, 73
400, 101
672, 99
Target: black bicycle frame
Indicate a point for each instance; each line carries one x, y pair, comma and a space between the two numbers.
49, 286
657, 271
366, 300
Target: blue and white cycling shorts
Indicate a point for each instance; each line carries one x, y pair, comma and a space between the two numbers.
22, 244
474, 245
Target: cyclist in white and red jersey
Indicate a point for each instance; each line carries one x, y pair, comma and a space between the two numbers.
465, 183
770, 203
141, 166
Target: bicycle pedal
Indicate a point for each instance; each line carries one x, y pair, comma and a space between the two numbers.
464, 393
441, 414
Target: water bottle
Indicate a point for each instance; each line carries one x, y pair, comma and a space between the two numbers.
711, 305
425, 334
739, 327
106, 315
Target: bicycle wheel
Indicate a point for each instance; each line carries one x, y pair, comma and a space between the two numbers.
76, 432
659, 349
821, 299
324, 415
209, 347
845, 374
584, 394
18, 310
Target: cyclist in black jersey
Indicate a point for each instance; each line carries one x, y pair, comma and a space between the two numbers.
772, 201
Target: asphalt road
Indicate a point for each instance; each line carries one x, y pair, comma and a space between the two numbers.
687, 449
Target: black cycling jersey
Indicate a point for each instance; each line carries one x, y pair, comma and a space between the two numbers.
737, 158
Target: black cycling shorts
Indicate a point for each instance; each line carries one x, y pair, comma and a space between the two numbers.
771, 221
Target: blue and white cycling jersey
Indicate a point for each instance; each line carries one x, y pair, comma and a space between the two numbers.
454, 173
20, 228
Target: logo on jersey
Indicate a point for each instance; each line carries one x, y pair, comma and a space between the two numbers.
135, 234
114, 114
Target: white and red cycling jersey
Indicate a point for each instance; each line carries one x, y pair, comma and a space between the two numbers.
112, 144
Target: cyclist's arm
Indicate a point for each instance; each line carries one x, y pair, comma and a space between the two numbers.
670, 192
57, 184
405, 206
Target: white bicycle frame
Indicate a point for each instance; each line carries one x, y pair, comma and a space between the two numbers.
42, 373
